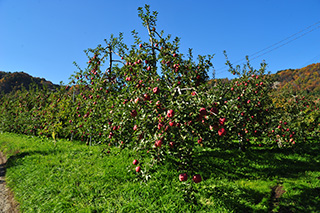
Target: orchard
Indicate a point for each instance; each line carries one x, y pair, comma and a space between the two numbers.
153, 99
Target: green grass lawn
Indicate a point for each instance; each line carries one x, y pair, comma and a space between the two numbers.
72, 177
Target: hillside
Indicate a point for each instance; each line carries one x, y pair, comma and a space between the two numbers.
15, 81
306, 79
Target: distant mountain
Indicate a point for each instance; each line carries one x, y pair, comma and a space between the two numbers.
16, 80
306, 79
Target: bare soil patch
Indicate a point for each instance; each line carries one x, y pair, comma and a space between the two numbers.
7, 203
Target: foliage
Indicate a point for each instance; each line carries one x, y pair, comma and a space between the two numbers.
304, 80
16, 81
156, 101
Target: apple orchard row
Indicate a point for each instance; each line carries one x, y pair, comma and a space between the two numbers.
151, 98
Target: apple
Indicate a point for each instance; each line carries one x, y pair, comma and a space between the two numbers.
138, 169
214, 110
222, 132
171, 144
158, 143
156, 90
160, 125
197, 178
135, 127
135, 162
141, 136
134, 113
183, 177
203, 111
172, 123
146, 97
221, 121
170, 113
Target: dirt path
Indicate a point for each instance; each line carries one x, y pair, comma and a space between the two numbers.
7, 204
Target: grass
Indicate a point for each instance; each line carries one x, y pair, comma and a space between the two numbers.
71, 177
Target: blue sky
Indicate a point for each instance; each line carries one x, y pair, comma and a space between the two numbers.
44, 37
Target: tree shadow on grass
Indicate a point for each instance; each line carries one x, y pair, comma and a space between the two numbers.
237, 199
14, 160
260, 164
308, 200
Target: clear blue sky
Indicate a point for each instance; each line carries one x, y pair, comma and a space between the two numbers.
44, 37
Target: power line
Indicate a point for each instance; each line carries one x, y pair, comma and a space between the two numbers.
285, 39
275, 45
285, 43
311, 60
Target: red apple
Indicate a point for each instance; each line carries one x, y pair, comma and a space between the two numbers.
135, 127
138, 169
156, 90
134, 113
135, 162
158, 143
222, 132
160, 125
172, 123
170, 113
203, 111
197, 178
221, 121
146, 97
183, 177
171, 144
214, 110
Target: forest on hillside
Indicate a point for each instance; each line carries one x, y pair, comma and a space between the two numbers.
306, 80
18, 80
